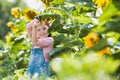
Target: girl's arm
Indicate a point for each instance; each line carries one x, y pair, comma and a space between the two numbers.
30, 26
44, 42
34, 34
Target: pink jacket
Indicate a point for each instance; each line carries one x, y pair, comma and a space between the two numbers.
45, 43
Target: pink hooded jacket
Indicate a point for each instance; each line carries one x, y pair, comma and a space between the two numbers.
45, 43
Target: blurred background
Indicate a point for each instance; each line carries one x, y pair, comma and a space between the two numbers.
5, 11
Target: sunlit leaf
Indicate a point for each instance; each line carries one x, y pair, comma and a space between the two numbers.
108, 12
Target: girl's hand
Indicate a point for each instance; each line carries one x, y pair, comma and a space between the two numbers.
34, 32
36, 23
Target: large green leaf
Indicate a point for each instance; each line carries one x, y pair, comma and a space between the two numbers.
113, 25
57, 2
72, 43
100, 45
16, 48
108, 12
55, 50
115, 55
83, 19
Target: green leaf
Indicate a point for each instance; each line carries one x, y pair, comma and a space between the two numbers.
55, 50
57, 2
113, 26
16, 48
21, 26
108, 12
100, 45
18, 41
82, 19
72, 43
115, 55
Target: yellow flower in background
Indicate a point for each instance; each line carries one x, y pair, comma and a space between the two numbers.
10, 24
104, 51
46, 3
91, 39
101, 3
8, 38
13, 29
89, 43
15, 12
43, 21
29, 14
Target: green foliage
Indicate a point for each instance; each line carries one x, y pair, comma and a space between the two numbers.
56, 2
108, 13
88, 67
5, 14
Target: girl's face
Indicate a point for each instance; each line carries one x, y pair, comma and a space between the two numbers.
42, 31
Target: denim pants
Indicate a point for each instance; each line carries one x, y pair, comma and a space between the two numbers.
37, 63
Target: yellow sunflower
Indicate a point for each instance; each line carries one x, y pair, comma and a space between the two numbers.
29, 14
15, 12
91, 39
8, 38
101, 3
10, 24
13, 29
104, 51
46, 3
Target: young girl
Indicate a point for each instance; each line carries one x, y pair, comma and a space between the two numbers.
42, 45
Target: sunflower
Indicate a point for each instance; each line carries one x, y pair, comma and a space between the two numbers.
13, 29
29, 14
8, 38
15, 12
104, 51
46, 3
101, 3
91, 39
10, 24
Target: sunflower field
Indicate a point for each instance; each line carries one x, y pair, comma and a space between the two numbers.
86, 40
